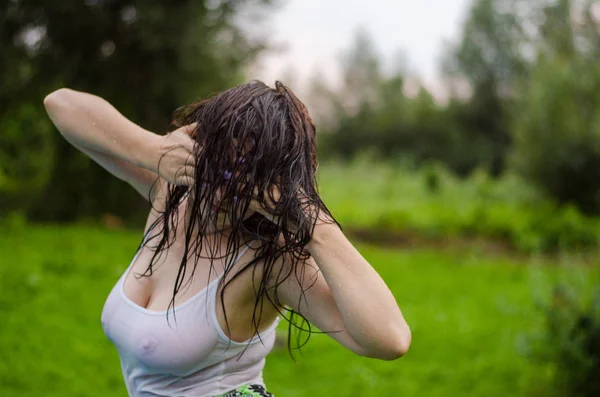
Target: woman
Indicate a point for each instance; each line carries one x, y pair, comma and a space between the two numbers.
236, 238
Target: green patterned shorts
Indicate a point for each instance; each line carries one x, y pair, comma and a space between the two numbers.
248, 391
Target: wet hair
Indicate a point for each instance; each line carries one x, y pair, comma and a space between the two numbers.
252, 141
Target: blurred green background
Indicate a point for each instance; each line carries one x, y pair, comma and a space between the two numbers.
482, 211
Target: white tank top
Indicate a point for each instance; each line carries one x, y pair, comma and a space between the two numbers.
188, 356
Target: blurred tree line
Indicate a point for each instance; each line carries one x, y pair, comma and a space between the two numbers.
523, 86
145, 57
524, 97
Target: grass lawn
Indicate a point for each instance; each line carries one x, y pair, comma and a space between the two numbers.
470, 314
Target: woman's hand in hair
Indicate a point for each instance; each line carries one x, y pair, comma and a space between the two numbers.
268, 204
126, 150
265, 203
173, 159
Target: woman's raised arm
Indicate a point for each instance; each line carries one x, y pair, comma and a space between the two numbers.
126, 150
369, 310
339, 292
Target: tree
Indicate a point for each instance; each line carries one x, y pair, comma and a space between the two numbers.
492, 57
492, 51
556, 123
361, 72
146, 57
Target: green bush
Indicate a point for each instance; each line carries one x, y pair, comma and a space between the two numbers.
570, 342
557, 132
26, 157
432, 202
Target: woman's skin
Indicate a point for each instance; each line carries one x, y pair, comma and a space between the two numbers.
342, 291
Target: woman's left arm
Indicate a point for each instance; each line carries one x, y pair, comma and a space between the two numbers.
339, 292
368, 309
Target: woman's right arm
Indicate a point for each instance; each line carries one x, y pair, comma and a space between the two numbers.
126, 150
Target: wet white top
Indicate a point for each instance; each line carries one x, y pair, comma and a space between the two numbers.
188, 356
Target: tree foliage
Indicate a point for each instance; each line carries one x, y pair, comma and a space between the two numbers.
533, 80
146, 57
557, 119
373, 112
529, 69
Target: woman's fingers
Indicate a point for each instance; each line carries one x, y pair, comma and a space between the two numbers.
179, 151
189, 130
187, 181
188, 178
265, 202
184, 177
183, 138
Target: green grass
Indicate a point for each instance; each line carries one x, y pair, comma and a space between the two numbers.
470, 316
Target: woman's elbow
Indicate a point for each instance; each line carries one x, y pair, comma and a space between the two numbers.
394, 348
399, 346
61, 106
57, 99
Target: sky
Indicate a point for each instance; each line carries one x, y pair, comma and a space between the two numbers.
311, 34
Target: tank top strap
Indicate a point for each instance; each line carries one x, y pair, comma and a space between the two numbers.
241, 253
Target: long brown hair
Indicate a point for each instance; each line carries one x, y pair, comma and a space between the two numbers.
250, 138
